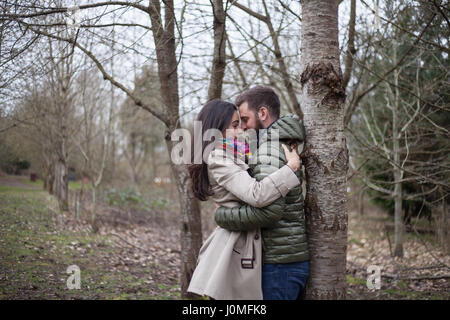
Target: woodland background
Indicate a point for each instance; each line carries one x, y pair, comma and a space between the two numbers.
89, 96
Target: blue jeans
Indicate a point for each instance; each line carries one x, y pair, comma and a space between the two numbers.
284, 281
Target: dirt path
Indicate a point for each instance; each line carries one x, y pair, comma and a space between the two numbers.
17, 181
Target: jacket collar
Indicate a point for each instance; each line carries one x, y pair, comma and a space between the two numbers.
262, 131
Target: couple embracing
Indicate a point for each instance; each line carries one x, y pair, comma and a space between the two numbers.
259, 249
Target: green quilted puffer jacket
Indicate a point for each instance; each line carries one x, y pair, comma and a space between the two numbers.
282, 223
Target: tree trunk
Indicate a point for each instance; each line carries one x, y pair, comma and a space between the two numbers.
398, 213
398, 174
61, 169
350, 45
325, 155
62, 184
133, 160
94, 222
113, 156
361, 201
48, 183
191, 226
218, 65
154, 160
48, 177
443, 232
164, 38
399, 227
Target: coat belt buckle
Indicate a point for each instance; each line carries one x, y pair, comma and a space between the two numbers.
247, 263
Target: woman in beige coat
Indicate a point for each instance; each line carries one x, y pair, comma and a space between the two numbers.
229, 263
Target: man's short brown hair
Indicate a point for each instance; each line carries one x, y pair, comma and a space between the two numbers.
261, 96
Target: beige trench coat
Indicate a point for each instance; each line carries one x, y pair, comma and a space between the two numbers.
229, 263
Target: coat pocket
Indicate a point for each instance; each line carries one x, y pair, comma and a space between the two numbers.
240, 244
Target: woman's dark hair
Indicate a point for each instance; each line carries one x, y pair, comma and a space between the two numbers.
216, 114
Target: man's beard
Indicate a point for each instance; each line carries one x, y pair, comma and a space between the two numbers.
258, 124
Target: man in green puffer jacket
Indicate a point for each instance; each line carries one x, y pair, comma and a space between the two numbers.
285, 246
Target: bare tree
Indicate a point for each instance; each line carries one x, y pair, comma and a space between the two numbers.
97, 123
163, 23
325, 153
397, 133
280, 59
61, 78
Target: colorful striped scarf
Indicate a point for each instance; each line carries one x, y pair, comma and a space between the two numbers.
240, 149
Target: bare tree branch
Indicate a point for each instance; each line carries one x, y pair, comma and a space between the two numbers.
350, 45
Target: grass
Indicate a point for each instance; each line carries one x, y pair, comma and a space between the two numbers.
355, 241
73, 185
426, 237
414, 295
76, 185
15, 189
35, 254
355, 281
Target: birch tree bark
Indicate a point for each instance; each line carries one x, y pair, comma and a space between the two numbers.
325, 154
